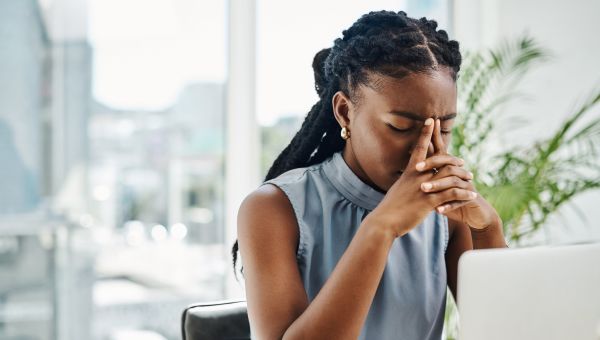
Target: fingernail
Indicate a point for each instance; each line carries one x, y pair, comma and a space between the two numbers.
461, 161
420, 166
426, 186
473, 195
429, 121
441, 209
470, 175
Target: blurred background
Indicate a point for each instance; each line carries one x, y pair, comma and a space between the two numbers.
131, 130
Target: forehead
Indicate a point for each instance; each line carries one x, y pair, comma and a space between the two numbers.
426, 94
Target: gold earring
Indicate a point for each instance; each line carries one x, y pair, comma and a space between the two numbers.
345, 133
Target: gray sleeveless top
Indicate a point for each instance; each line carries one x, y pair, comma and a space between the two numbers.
330, 202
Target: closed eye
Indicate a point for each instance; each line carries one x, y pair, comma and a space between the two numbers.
444, 132
398, 129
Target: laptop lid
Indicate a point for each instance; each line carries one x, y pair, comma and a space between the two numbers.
530, 293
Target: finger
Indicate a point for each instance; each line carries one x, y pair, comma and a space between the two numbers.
451, 170
438, 161
419, 152
448, 207
444, 184
452, 194
438, 141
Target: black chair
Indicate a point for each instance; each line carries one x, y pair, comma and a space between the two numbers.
216, 320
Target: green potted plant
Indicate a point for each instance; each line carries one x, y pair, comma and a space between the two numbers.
530, 183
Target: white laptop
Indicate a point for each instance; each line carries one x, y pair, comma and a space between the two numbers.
530, 293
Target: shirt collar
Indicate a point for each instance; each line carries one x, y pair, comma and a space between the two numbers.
349, 185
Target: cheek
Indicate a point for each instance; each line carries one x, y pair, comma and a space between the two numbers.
382, 154
447, 140
382, 148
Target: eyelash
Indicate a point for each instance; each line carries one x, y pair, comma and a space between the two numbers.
407, 130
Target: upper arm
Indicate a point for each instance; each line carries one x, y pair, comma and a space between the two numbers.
459, 242
268, 238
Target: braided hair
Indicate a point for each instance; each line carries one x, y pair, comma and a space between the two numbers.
384, 42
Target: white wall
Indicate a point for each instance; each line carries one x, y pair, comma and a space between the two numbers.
570, 30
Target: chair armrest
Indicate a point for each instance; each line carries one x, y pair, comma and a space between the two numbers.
216, 320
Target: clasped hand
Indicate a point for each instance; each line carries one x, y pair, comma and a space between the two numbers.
449, 174
436, 182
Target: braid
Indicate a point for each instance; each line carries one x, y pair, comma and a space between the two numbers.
386, 43
298, 151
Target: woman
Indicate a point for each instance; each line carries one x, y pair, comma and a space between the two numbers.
357, 231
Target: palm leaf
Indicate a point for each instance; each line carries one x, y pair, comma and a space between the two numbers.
529, 184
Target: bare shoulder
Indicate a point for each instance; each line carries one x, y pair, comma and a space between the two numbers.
267, 212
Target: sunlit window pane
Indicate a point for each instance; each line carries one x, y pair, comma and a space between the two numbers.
112, 120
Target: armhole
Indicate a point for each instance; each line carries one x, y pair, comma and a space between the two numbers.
301, 228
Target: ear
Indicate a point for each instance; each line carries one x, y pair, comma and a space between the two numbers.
343, 108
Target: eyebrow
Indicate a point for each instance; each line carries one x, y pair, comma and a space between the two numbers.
414, 116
